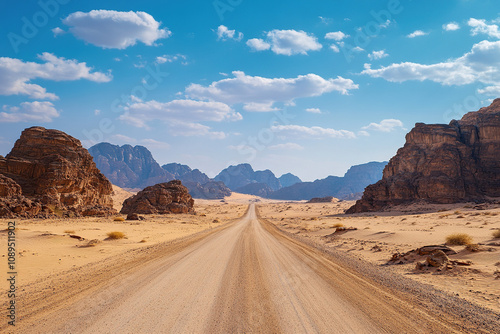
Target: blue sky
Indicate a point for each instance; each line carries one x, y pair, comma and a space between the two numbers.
308, 87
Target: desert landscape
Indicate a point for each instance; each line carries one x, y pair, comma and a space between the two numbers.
250, 167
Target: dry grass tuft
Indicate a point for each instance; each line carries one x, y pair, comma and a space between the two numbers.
496, 234
69, 231
337, 225
116, 235
119, 219
459, 239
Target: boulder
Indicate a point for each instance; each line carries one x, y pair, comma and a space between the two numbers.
50, 171
437, 259
442, 164
163, 198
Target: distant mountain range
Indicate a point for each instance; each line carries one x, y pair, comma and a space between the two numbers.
135, 168
348, 187
243, 179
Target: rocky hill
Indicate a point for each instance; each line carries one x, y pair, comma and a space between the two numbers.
236, 177
288, 180
129, 167
348, 187
49, 173
198, 183
442, 163
162, 198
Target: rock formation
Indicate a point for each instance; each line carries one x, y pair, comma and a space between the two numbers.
288, 180
49, 171
129, 167
347, 187
327, 199
238, 176
170, 197
441, 163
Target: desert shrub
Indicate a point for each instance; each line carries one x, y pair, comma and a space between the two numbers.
496, 234
457, 212
216, 221
116, 235
458, 239
69, 231
119, 219
337, 225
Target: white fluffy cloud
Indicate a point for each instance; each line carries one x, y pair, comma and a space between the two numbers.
42, 112
293, 131
334, 48
16, 75
377, 55
481, 65
287, 147
417, 33
257, 44
452, 26
170, 59
314, 110
181, 116
111, 29
58, 31
386, 125
336, 36
223, 34
286, 42
254, 90
481, 27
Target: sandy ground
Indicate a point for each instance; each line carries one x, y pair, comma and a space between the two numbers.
379, 235
45, 247
242, 277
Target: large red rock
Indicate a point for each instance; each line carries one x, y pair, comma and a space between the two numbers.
442, 163
169, 197
52, 171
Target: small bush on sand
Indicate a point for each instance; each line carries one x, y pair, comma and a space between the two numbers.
458, 239
69, 231
119, 219
337, 225
496, 234
116, 235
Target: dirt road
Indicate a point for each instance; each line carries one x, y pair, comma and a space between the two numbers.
244, 278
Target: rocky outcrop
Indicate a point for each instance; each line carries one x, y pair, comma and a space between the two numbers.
327, 199
238, 176
288, 180
442, 163
162, 198
129, 167
49, 172
347, 187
